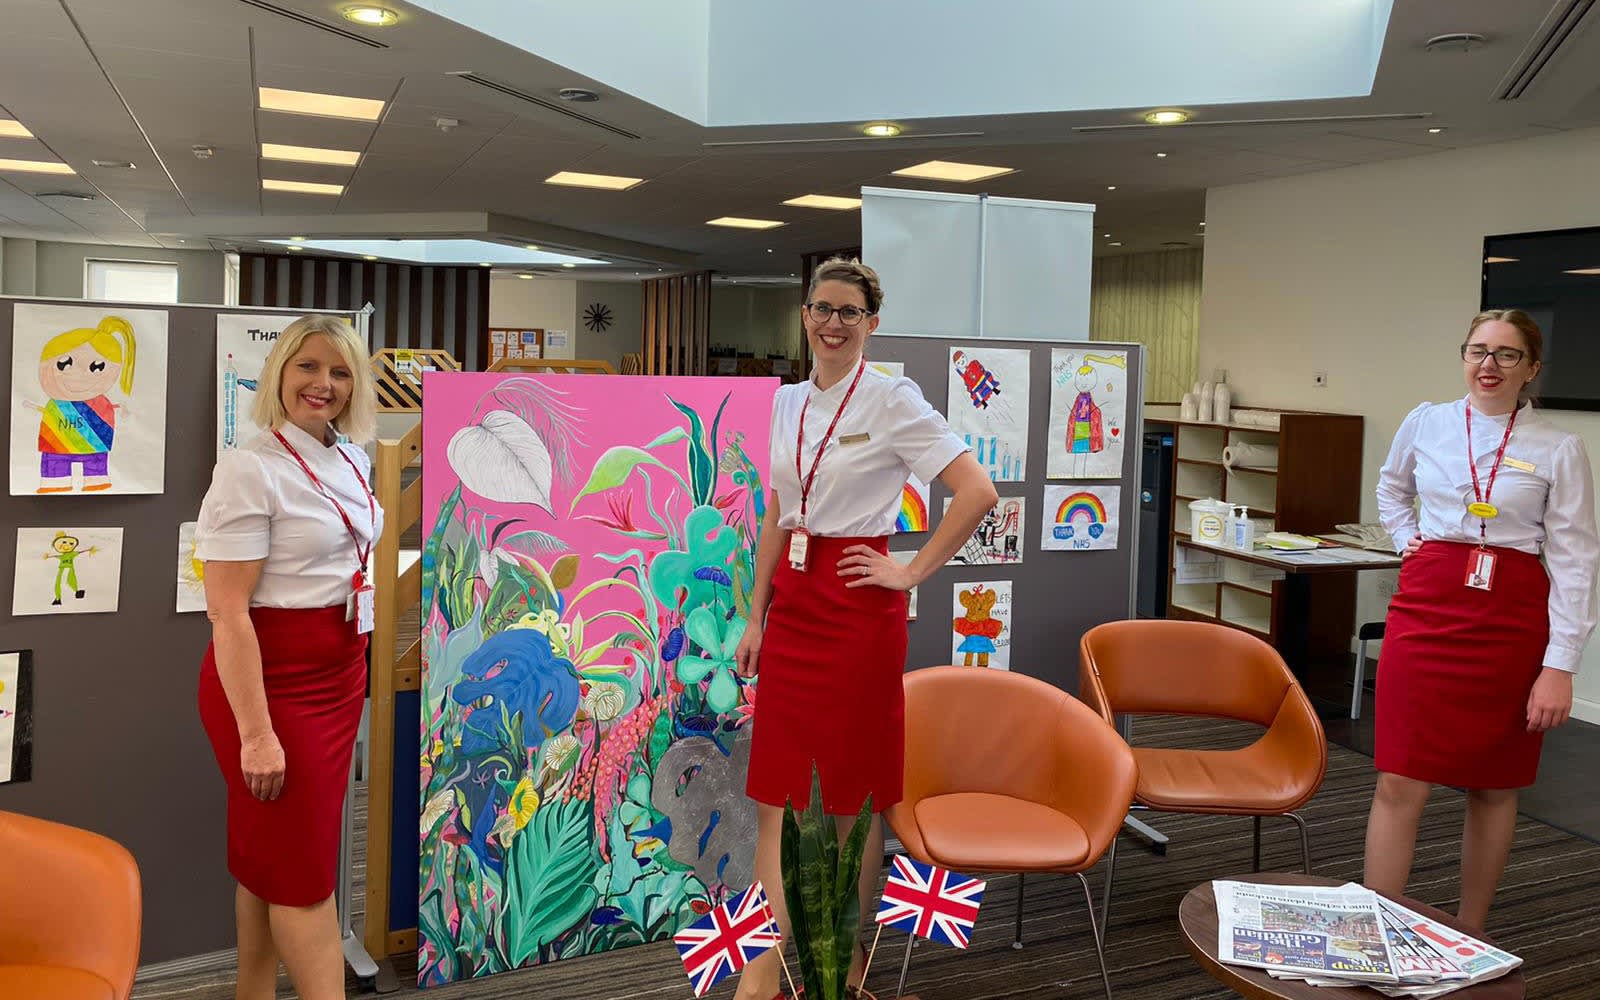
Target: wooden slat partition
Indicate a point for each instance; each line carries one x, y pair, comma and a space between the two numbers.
393, 669
676, 335
558, 365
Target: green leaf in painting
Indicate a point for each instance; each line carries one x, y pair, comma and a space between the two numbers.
613, 469
702, 464
549, 879
675, 434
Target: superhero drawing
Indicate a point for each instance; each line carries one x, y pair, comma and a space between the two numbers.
988, 406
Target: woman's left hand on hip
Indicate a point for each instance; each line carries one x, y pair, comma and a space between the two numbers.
1550, 701
866, 566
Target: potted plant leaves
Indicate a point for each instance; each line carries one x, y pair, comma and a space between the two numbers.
820, 877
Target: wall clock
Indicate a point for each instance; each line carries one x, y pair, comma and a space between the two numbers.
597, 317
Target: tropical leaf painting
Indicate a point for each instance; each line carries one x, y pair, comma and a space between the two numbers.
589, 552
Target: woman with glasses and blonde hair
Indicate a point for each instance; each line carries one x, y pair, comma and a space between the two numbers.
1483, 638
828, 611
285, 532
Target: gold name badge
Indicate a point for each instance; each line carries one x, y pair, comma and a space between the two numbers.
1517, 463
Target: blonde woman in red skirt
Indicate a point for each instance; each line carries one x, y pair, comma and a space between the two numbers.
1483, 638
285, 531
828, 612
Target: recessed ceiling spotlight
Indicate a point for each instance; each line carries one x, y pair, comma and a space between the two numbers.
1436, 130
372, 17
1166, 117
296, 249
369, 256
568, 264
114, 164
1113, 244
1111, 187
531, 246
1202, 222
578, 94
769, 249
1454, 41
882, 130
1105, 236
485, 265
525, 277
1161, 156
297, 239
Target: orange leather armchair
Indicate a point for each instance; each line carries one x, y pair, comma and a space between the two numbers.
1040, 784
70, 916
1198, 669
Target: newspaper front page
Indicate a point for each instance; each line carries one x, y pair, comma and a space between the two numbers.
1336, 931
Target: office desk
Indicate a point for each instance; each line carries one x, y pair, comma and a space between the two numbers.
1322, 664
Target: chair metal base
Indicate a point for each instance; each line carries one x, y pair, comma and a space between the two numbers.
1096, 929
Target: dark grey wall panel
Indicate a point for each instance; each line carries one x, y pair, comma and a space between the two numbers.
1056, 596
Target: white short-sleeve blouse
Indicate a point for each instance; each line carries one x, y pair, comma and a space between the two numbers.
262, 505
888, 433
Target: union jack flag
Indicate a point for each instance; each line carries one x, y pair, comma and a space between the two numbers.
930, 902
724, 940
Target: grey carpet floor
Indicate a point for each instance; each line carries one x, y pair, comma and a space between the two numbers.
1546, 911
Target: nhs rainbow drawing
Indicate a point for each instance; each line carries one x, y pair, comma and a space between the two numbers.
1080, 517
913, 514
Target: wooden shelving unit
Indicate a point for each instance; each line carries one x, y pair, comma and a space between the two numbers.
1316, 485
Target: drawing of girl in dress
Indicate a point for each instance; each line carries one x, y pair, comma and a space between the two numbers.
78, 422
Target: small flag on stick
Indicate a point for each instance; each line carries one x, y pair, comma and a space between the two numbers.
930, 902
723, 941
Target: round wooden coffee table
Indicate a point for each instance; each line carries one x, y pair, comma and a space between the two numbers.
1197, 915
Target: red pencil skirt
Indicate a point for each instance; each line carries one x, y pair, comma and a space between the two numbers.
313, 663
831, 668
1456, 669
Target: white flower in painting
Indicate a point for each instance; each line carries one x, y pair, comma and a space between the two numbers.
502, 458
557, 749
605, 700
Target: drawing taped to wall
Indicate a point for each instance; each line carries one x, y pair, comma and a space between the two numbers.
893, 369
243, 343
913, 516
997, 538
67, 571
988, 407
191, 572
1088, 413
1077, 518
981, 634
88, 400
16, 715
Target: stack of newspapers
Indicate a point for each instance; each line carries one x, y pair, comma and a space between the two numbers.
1348, 935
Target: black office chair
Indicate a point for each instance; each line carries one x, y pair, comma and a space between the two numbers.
1367, 632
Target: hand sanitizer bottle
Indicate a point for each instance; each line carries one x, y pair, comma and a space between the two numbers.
1244, 531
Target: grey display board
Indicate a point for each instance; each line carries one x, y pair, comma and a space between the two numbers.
1056, 595
117, 742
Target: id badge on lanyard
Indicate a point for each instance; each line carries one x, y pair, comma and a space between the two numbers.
1481, 562
800, 538
361, 605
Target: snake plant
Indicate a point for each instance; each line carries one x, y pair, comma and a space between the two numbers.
820, 877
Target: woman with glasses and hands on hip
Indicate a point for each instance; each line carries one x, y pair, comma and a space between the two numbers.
285, 531
828, 611
1482, 639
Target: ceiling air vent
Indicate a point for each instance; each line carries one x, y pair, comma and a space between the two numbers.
1559, 26
556, 107
311, 22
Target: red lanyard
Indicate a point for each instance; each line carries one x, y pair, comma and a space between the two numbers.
800, 443
372, 507
1481, 495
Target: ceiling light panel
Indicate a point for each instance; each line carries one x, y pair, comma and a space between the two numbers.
947, 170
1584, 270
304, 102
309, 154
735, 222
602, 182
827, 201
301, 187
10, 128
36, 166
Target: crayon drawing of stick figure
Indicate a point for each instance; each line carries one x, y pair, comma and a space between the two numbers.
66, 553
77, 423
1086, 430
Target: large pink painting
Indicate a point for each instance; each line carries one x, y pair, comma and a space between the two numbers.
588, 552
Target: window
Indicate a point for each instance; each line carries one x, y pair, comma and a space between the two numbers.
130, 281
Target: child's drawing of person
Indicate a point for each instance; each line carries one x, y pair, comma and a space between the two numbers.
66, 555
78, 422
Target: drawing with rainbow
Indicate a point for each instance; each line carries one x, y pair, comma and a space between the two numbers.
1081, 505
913, 511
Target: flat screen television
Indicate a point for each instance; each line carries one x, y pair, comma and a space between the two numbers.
1554, 277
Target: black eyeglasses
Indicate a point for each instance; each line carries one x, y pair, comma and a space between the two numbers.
1504, 357
821, 312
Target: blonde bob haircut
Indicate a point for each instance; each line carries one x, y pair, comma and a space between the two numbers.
359, 419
